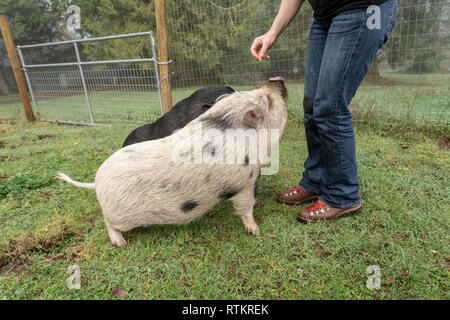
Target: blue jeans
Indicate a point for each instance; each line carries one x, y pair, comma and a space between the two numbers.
339, 54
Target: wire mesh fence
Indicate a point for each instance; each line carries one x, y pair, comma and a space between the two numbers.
209, 43
210, 40
117, 93
72, 86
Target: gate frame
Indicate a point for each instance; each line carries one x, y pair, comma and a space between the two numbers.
80, 65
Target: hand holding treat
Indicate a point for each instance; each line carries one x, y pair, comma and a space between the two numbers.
261, 45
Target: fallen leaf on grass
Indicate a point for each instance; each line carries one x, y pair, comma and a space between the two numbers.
119, 293
388, 282
392, 161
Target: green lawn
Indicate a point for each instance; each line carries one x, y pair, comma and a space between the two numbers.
418, 96
48, 225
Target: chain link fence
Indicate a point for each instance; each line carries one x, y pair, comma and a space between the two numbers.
209, 42
68, 85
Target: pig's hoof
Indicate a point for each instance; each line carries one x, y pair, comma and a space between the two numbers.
120, 243
116, 237
252, 230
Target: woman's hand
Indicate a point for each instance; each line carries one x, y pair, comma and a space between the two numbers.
287, 12
262, 44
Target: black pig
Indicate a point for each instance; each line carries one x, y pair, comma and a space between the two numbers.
181, 114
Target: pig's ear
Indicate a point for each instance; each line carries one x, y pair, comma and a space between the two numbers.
253, 118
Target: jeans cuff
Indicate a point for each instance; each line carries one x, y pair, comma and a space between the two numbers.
310, 187
332, 204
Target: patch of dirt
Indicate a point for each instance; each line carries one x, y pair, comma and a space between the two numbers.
18, 266
444, 145
320, 252
392, 161
78, 252
119, 293
7, 158
42, 239
46, 137
444, 263
39, 152
380, 81
55, 258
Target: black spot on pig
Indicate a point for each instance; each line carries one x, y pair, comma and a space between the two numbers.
189, 206
210, 149
307, 106
208, 178
229, 192
251, 174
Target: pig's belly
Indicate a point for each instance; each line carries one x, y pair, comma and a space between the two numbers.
125, 213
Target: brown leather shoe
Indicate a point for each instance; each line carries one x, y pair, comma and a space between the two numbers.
320, 211
296, 195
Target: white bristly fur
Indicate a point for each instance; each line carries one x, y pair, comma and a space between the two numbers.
141, 185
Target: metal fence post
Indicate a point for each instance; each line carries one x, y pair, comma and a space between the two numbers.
27, 78
83, 81
158, 79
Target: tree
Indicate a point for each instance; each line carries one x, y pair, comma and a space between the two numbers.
32, 21
110, 17
421, 37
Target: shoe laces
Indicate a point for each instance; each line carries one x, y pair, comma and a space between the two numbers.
316, 206
296, 188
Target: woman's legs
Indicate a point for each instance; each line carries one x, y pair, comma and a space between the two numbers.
313, 164
349, 48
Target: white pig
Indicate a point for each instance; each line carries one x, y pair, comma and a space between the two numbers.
145, 184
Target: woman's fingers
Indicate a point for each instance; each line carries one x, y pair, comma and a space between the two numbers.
260, 47
256, 47
264, 48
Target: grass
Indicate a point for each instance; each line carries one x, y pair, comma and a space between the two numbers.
47, 225
423, 97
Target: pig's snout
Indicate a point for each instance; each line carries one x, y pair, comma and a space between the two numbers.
274, 79
278, 83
